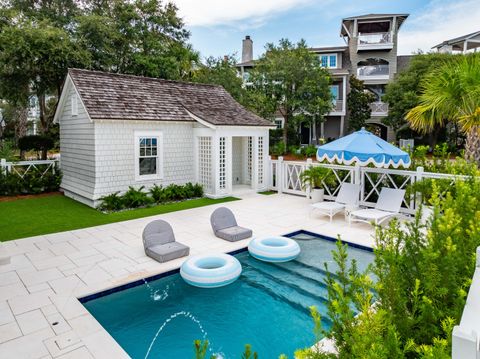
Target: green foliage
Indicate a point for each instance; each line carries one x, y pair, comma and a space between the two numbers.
134, 198
289, 79
248, 354
34, 181
7, 150
112, 202
358, 104
403, 93
222, 71
309, 151
201, 347
316, 177
36, 143
278, 149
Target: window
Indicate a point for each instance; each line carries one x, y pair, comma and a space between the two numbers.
148, 146
334, 91
279, 122
328, 61
74, 104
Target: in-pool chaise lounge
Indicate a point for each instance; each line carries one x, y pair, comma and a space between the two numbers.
159, 242
225, 226
347, 196
387, 206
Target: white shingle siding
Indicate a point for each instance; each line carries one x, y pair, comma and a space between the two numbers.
115, 154
77, 148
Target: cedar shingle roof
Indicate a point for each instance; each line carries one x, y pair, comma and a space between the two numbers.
126, 97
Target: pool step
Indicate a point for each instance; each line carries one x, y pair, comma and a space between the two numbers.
297, 281
300, 300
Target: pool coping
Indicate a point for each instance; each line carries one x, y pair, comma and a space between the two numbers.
139, 282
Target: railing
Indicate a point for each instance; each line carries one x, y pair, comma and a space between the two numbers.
285, 178
379, 108
377, 38
337, 106
381, 70
22, 168
466, 335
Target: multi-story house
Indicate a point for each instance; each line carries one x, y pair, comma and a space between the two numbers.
463, 44
370, 54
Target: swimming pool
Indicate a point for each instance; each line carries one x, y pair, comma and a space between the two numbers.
266, 307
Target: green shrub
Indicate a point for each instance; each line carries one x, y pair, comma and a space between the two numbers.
112, 202
309, 151
36, 143
135, 198
157, 193
7, 150
33, 182
278, 149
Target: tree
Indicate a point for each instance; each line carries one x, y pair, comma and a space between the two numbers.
404, 92
358, 104
289, 79
221, 71
451, 93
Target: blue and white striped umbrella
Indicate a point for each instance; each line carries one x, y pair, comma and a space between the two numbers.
363, 147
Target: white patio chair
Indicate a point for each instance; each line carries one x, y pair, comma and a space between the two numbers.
387, 206
347, 196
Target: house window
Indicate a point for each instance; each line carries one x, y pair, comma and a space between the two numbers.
148, 147
74, 105
334, 92
328, 61
279, 122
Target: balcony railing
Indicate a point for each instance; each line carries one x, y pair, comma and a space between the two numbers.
374, 39
379, 108
372, 71
337, 106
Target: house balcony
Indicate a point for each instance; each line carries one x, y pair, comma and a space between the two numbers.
375, 41
379, 108
337, 109
373, 72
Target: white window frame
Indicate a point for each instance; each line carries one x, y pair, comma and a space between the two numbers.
74, 104
279, 121
328, 60
149, 134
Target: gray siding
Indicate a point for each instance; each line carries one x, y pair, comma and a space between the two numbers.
115, 154
77, 148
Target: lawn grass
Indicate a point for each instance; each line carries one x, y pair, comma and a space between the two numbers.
268, 193
57, 213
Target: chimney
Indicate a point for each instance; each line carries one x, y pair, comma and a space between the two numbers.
247, 49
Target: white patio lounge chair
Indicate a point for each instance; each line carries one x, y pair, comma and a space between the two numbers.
347, 196
387, 206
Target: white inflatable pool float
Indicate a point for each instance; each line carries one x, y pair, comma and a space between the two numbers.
211, 271
274, 249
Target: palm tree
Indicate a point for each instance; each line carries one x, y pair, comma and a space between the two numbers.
452, 94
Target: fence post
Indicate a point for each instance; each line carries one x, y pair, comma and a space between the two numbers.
418, 178
280, 174
309, 164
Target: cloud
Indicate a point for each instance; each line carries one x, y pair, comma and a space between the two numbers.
437, 22
238, 13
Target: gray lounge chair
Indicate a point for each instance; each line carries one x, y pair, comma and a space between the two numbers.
159, 242
225, 226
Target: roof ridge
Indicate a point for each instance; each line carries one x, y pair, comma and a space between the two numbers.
108, 73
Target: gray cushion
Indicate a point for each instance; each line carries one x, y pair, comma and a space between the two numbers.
167, 252
222, 218
233, 234
157, 232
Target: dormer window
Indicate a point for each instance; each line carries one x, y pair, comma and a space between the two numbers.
328, 61
74, 104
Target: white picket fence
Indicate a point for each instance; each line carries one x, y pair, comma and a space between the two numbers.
22, 168
285, 178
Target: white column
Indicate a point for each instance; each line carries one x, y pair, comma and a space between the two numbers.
344, 89
465, 46
255, 162
215, 165
342, 125
322, 129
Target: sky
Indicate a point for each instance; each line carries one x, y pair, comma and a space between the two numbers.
217, 27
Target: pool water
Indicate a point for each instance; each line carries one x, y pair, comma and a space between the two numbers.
266, 307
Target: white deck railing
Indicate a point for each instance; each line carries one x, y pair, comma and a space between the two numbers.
22, 168
285, 178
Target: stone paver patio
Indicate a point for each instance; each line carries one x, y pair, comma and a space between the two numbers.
40, 316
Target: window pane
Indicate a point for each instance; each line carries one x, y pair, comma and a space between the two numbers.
154, 141
148, 152
334, 91
148, 166
142, 151
154, 151
333, 61
324, 61
148, 141
142, 142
